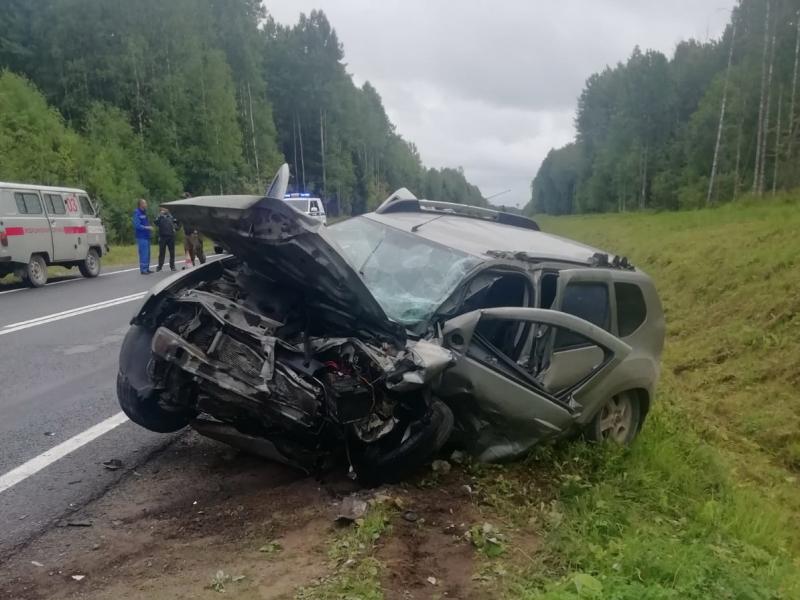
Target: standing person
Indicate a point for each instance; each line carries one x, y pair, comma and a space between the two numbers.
167, 225
141, 230
192, 242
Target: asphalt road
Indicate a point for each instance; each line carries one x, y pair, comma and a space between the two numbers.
59, 417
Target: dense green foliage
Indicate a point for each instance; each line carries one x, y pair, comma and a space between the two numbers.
152, 98
647, 129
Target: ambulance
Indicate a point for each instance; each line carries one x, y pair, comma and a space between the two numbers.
42, 226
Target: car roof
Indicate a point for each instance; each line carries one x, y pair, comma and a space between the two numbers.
479, 237
43, 188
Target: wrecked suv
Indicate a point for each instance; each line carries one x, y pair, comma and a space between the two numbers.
379, 338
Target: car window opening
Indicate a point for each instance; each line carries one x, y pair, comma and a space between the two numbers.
505, 290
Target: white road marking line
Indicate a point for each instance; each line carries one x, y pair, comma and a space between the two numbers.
12, 327
36, 464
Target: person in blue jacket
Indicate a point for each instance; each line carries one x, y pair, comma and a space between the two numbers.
142, 229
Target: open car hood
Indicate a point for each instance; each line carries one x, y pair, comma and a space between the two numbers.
292, 249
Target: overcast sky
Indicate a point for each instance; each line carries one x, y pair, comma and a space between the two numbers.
491, 85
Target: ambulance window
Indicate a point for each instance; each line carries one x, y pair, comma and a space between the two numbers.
86, 206
314, 206
28, 203
54, 204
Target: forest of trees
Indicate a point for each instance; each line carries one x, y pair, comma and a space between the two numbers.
149, 98
651, 131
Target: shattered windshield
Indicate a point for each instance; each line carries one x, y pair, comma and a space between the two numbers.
408, 275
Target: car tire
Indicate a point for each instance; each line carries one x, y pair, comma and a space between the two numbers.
145, 410
90, 267
618, 420
135, 393
35, 273
379, 463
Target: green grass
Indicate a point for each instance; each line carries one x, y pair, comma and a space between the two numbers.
355, 569
705, 504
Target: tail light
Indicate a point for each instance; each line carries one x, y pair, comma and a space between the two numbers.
3, 238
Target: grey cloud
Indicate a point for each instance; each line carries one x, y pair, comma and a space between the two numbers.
492, 85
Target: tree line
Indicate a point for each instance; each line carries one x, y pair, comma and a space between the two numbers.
717, 120
153, 98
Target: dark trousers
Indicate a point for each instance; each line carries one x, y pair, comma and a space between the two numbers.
164, 243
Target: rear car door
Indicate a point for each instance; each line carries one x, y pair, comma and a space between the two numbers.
75, 227
499, 394
589, 295
94, 230
29, 228
60, 222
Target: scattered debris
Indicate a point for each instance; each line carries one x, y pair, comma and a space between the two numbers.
220, 579
271, 547
74, 481
78, 577
49, 433
433, 581
36, 563
79, 523
113, 464
441, 466
352, 508
73, 523
411, 516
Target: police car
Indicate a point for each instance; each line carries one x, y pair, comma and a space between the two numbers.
42, 226
303, 202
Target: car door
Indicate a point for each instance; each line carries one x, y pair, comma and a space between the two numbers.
32, 224
589, 295
63, 244
95, 233
503, 405
74, 227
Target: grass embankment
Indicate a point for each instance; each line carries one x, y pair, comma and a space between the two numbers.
706, 502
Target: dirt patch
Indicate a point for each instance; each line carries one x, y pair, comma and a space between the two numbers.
427, 554
197, 509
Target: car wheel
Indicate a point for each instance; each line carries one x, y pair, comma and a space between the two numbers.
137, 398
421, 439
36, 271
145, 410
91, 266
619, 420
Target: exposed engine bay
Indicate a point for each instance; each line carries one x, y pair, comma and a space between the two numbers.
245, 361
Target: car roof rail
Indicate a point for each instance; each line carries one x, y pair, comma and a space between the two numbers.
404, 201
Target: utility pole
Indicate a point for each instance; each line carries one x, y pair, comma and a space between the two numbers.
253, 131
777, 143
715, 162
759, 131
765, 135
302, 159
294, 141
790, 145
322, 148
